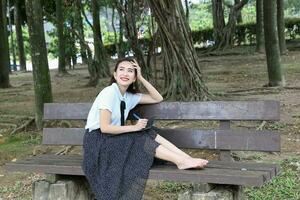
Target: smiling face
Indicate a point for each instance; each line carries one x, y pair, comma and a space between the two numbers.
125, 74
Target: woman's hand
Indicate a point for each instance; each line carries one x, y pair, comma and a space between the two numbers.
138, 69
141, 124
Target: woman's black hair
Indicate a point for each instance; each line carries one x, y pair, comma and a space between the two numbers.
133, 87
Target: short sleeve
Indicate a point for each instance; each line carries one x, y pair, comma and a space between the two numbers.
134, 99
106, 99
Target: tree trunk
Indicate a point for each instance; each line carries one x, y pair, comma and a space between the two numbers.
239, 17
61, 40
4, 51
121, 45
40, 69
92, 64
12, 43
19, 35
79, 27
129, 12
281, 26
183, 78
73, 45
259, 26
224, 34
271, 43
100, 55
115, 31
187, 10
218, 20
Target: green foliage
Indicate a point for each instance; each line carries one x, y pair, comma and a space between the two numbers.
293, 27
249, 13
25, 40
53, 45
200, 16
246, 33
277, 126
292, 7
284, 186
15, 144
108, 38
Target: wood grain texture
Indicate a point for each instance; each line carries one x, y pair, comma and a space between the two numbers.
185, 138
233, 173
211, 110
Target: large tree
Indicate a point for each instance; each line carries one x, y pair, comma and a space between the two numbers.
12, 42
259, 26
119, 43
19, 34
79, 27
4, 52
239, 14
61, 39
183, 77
276, 77
40, 69
100, 55
130, 11
281, 26
224, 33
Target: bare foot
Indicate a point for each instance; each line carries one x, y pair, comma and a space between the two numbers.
188, 163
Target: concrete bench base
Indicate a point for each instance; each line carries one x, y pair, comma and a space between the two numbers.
77, 188
218, 193
68, 189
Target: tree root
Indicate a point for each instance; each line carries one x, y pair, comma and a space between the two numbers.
63, 74
23, 126
253, 89
65, 150
9, 124
292, 88
261, 126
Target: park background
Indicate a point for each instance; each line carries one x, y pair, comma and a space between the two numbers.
79, 42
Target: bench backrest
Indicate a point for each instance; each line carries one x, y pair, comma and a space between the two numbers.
223, 138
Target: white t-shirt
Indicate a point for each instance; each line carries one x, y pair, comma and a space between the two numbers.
110, 98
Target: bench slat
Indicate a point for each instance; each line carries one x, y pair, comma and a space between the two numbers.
273, 169
184, 138
210, 110
165, 172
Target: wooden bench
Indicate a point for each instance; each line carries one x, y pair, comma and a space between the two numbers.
223, 171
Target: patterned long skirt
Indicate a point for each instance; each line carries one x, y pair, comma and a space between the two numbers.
117, 166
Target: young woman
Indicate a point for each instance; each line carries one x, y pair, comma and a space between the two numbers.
117, 157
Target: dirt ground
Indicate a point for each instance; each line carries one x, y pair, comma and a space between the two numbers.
234, 76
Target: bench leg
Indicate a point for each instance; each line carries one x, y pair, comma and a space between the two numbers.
238, 192
67, 188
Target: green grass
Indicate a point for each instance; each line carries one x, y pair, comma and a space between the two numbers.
283, 187
18, 190
17, 142
173, 187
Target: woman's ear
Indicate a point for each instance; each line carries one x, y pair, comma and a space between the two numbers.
115, 75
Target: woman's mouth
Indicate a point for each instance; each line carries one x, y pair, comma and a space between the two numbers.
124, 79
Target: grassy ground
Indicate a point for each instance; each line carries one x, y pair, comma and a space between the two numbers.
236, 76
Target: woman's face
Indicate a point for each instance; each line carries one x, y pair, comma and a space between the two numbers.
125, 74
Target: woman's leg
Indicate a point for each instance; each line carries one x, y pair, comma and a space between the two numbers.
161, 140
181, 161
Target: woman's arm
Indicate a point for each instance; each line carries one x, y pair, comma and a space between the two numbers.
106, 127
154, 96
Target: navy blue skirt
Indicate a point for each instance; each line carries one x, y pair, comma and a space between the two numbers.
117, 166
